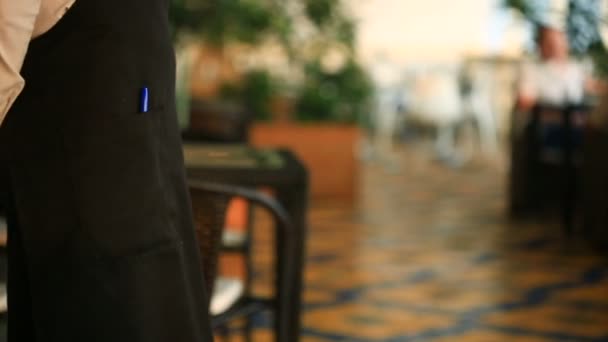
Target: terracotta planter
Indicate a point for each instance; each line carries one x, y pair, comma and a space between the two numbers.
326, 149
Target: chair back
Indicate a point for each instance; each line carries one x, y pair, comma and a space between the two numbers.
209, 212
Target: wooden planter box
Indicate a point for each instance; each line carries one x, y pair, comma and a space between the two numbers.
328, 150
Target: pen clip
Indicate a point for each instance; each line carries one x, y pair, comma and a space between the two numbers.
144, 100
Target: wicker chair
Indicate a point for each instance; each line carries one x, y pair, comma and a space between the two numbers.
209, 202
534, 177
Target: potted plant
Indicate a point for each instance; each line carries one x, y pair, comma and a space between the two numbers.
324, 129
203, 31
313, 105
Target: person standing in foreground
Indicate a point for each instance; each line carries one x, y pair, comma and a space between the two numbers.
101, 241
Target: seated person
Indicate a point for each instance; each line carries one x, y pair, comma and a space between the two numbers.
555, 79
554, 82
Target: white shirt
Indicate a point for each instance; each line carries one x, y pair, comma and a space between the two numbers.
20, 21
554, 83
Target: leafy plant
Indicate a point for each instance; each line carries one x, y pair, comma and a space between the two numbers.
344, 96
255, 92
321, 95
320, 11
221, 21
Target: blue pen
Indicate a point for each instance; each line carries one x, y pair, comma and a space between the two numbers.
144, 100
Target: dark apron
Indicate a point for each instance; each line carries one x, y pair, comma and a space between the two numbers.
101, 241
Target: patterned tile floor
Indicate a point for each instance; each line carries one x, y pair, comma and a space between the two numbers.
427, 255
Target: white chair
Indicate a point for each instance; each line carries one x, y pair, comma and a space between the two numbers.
435, 99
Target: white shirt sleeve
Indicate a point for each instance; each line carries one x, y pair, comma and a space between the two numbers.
17, 21
528, 81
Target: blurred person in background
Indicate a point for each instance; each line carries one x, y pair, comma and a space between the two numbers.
554, 82
554, 79
101, 240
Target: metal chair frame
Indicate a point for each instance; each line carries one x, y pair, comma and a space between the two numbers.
249, 304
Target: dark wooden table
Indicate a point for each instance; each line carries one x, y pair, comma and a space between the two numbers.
282, 172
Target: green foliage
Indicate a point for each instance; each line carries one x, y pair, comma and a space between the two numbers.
344, 96
218, 21
320, 11
255, 92
345, 32
599, 55
250, 21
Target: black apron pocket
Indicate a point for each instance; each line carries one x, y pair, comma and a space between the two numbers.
118, 182
134, 298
